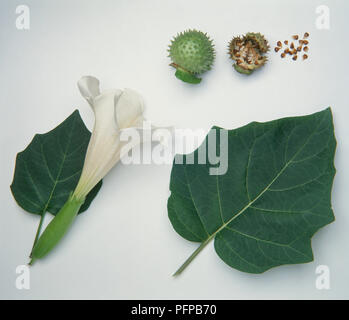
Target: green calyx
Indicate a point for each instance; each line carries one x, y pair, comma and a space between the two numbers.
57, 228
248, 52
192, 53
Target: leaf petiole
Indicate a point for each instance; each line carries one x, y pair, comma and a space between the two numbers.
38, 231
192, 256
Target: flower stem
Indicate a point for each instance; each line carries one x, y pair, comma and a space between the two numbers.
191, 258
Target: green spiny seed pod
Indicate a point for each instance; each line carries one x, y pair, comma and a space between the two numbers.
248, 52
192, 53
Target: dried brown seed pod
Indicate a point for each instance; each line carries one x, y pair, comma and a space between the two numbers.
295, 37
248, 49
295, 57
306, 49
305, 56
306, 35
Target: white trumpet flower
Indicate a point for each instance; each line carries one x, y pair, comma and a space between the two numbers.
115, 111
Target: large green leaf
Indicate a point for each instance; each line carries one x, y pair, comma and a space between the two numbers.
275, 195
48, 170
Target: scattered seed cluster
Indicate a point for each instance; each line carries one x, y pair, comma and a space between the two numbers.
292, 48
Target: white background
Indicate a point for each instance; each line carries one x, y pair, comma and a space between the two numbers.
124, 247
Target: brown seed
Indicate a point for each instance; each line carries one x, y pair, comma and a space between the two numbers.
300, 42
294, 51
287, 50
283, 55
306, 35
279, 44
306, 49
286, 42
295, 57
292, 45
277, 49
305, 56
305, 41
295, 37
299, 48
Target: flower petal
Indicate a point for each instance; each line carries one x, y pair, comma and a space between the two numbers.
129, 109
89, 88
104, 109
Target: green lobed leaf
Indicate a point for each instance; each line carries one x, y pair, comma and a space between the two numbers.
48, 170
274, 196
